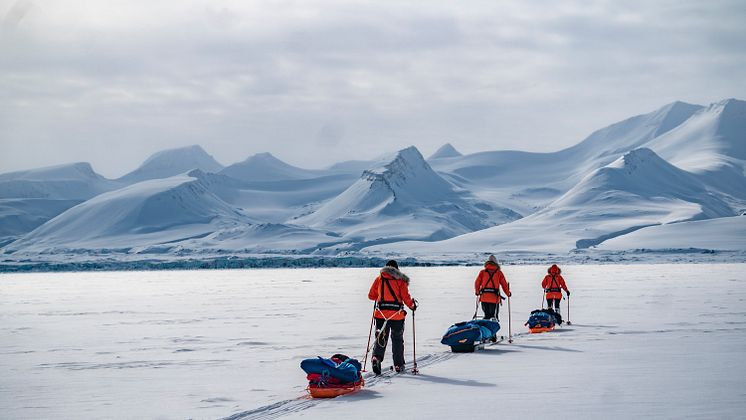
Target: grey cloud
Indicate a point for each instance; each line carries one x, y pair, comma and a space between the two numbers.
360, 79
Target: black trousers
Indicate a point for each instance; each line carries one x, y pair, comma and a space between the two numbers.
490, 310
395, 329
555, 302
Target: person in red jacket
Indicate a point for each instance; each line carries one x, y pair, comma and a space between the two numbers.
487, 287
390, 290
553, 284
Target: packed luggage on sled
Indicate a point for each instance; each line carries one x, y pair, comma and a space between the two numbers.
543, 320
465, 337
329, 378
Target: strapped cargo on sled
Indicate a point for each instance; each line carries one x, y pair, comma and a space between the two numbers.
465, 337
329, 378
543, 320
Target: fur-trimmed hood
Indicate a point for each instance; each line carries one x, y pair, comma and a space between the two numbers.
395, 273
554, 270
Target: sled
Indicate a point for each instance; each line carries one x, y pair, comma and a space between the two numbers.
332, 391
469, 336
543, 320
537, 330
329, 378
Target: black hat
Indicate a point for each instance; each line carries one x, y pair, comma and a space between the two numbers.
392, 263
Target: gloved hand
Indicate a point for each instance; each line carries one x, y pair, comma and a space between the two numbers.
510, 294
568, 293
415, 304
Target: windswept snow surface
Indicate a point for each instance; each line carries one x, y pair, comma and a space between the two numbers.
660, 341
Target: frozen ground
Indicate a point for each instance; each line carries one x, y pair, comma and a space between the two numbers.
663, 341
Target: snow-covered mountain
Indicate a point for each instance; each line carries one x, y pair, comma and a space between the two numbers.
19, 216
265, 167
637, 190
31, 197
712, 145
276, 201
678, 166
172, 162
148, 213
403, 199
445, 151
75, 181
528, 181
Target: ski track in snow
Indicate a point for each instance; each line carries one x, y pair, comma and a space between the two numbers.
281, 408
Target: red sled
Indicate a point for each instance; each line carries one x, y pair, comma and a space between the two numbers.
333, 390
537, 330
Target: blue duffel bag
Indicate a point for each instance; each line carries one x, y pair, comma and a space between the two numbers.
346, 370
464, 336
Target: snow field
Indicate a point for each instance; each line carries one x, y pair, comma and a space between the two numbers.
648, 341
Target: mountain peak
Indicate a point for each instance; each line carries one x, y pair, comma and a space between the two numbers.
406, 160
637, 158
731, 105
265, 167
445, 151
187, 152
263, 157
673, 115
76, 170
172, 162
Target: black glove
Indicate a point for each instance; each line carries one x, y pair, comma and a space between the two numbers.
568, 293
415, 304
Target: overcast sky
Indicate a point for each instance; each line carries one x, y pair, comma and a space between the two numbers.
111, 82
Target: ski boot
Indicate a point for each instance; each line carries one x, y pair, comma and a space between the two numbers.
376, 365
399, 369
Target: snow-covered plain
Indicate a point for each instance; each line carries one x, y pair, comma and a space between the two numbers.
661, 341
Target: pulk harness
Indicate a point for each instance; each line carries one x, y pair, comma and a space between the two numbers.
551, 289
383, 304
394, 305
490, 281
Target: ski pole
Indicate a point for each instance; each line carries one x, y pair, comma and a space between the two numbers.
476, 308
568, 310
370, 333
510, 326
414, 345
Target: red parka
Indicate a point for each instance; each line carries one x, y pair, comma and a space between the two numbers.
391, 290
488, 283
553, 283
